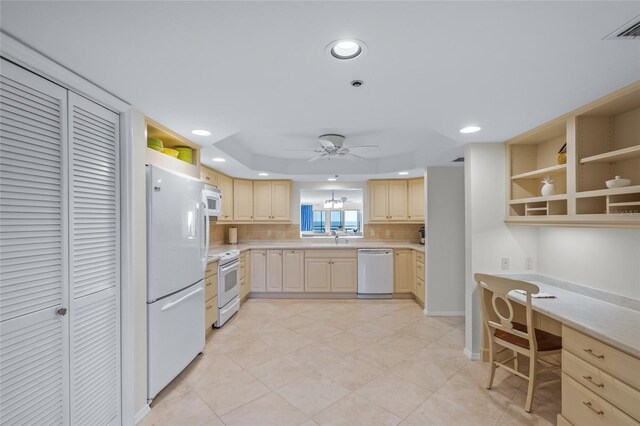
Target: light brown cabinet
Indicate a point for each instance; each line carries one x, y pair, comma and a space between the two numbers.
396, 200
415, 199
402, 271
225, 185
242, 200
331, 271
210, 295
271, 200
258, 270
274, 270
292, 270
209, 176
244, 276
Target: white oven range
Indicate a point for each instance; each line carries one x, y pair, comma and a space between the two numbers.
228, 286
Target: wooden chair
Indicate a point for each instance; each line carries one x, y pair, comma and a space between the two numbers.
510, 335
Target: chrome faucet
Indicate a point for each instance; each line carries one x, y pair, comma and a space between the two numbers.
335, 234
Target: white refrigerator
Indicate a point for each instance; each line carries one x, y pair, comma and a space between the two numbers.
176, 259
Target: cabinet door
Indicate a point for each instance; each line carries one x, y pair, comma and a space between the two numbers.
208, 176
274, 270
242, 200
317, 275
281, 200
401, 271
413, 265
398, 200
34, 255
378, 200
225, 185
344, 275
258, 270
416, 200
262, 200
94, 273
293, 270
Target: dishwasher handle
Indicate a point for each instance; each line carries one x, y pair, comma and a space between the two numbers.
377, 252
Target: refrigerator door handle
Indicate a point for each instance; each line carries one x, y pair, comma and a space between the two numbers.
182, 299
204, 246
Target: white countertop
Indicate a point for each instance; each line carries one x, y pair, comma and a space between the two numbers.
216, 251
612, 324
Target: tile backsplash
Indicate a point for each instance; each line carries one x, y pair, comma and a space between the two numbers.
219, 233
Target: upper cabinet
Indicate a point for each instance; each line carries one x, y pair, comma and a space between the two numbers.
271, 200
396, 200
225, 185
209, 176
564, 172
242, 200
164, 153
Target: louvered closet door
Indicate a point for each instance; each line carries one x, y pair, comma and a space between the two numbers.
95, 260
33, 247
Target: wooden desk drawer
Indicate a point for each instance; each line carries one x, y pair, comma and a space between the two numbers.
210, 287
210, 313
420, 257
620, 365
420, 270
212, 268
582, 407
602, 384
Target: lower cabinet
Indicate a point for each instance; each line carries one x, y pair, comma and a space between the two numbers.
292, 270
274, 270
331, 271
210, 313
258, 270
402, 271
210, 296
244, 279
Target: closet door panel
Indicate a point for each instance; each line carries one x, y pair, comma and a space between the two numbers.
95, 260
33, 247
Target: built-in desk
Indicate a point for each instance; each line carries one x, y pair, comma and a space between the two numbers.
600, 355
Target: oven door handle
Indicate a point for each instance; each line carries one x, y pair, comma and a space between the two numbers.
229, 266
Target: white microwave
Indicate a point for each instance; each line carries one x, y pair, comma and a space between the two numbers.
213, 200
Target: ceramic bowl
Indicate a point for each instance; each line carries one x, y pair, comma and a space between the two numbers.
618, 182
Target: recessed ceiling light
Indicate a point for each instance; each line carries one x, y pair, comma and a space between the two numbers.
331, 179
346, 49
200, 132
403, 173
219, 160
470, 129
263, 174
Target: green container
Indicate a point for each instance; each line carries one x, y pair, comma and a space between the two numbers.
184, 153
154, 143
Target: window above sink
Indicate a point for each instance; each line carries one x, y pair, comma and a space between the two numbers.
326, 213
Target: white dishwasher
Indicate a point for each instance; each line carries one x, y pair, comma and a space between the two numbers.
375, 272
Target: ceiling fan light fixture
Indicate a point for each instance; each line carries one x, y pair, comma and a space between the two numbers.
338, 205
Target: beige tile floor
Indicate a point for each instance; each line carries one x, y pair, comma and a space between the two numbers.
343, 362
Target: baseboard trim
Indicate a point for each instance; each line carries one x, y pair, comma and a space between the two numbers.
301, 295
141, 414
471, 355
443, 313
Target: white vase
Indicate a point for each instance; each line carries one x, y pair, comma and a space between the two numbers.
548, 188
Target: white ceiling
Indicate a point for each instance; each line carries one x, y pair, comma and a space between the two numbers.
256, 73
312, 196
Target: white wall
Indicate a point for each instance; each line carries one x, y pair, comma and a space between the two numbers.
487, 238
445, 241
601, 258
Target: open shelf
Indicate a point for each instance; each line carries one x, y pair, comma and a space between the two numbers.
609, 191
171, 139
541, 173
538, 199
612, 156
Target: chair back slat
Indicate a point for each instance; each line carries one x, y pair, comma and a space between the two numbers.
491, 289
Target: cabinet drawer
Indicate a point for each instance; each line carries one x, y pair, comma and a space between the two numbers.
420, 257
321, 254
210, 312
618, 364
243, 271
212, 268
210, 287
420, 289
602, 384
420, 270
582, 407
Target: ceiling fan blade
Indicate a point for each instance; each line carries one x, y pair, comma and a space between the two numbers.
351, 156
317, 157
364, 146
303, 150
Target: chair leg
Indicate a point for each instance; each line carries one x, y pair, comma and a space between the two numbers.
492, 365
515, 361
532, 382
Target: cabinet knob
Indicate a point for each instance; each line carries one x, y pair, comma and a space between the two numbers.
62, 312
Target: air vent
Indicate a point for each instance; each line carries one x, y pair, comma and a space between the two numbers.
629, 31
458, 160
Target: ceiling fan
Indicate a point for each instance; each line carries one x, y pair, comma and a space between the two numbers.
332, 146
